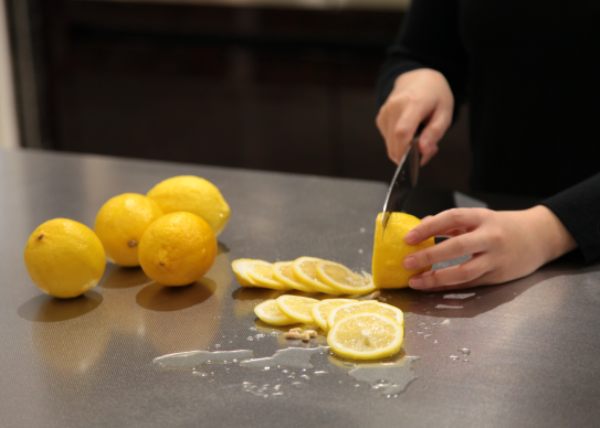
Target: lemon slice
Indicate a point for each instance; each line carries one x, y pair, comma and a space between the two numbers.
320, 311
261, 273
366, 336
269, 312
368, 306
305, 269
343, 279
240, 268
284, 273
297, 307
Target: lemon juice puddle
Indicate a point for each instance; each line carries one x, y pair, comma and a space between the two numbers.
390, 379
288, 357
297, 358
195, 359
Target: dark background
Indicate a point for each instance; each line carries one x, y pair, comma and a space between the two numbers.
282, 89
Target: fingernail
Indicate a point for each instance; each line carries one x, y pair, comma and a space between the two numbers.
416, 283
410, 263
411, 237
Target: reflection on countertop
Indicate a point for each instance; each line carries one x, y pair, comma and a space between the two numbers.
398, 5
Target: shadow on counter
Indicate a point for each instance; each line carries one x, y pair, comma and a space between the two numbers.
471, 302
45, 308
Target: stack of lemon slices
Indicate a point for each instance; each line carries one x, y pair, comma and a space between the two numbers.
361, 330
308, 274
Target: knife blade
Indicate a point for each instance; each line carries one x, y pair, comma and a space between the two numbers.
404, 180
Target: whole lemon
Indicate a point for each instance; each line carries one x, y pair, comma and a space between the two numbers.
120, 224
195, 195
64, 258
390, 249
177, 249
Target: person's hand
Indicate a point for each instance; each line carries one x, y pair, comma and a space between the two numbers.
419, 96
505, 245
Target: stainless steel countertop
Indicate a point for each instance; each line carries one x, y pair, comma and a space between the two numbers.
534, 349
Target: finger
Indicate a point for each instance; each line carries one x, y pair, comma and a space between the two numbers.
430, 154
475, 283
456, 218
433, 133
470, 243
404, 131
465, 273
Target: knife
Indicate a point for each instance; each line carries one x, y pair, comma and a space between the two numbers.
404, 180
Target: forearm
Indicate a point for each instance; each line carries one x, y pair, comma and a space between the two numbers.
578, 209
550, 237
429, 38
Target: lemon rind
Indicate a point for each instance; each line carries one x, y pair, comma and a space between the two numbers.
323, 277
262, 282
331, 318
283, 307
296, 285
315, 285
283, 320
239, 267
322, 322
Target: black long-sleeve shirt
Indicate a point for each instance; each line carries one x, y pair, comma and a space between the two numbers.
530, 70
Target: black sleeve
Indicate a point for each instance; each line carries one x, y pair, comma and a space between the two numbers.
429, 38
578, 208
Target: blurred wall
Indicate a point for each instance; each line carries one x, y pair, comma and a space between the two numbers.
262, 84
8, 120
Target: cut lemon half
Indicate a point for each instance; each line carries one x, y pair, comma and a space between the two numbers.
343, 279
305, 269
389, 251
297, 307
284, 273
368, 306
261, 273
240, 268
366, 336
269, 312
320, 311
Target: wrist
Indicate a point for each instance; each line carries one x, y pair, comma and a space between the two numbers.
554, 238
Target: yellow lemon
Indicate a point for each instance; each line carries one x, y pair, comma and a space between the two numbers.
177, 249
120, 224
390, 249
192, 194
64, 258
366, 336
